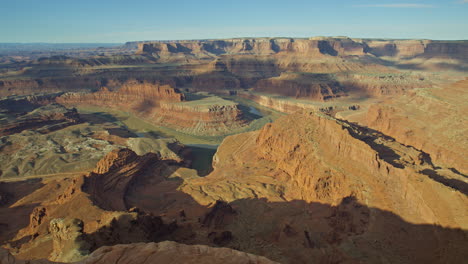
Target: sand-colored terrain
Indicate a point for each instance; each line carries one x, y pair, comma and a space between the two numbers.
264, 150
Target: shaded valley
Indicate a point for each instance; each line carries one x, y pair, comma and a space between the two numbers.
246, 150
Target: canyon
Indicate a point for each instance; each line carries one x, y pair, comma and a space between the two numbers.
166, 105
244, 150
314, 209
314, 46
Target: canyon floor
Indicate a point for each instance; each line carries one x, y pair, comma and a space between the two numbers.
267, 150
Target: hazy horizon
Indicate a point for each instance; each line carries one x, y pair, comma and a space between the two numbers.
54, 21
248, 37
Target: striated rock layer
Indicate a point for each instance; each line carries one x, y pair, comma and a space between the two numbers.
210, 65
259, 46
70, 217
432, 120
162, 104
331, 188
306, 188
132, 92
305, 86
43, 119
316, 46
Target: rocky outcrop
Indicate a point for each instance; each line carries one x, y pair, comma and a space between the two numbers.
132, 93
308, 186
233, 63
383, 84
282, 105
316, 46
421, 48
198, 118
46, 85
74, 216
257, 46
108, 183
115, 160
166, 106
318, 87
312, 161
43, 119
429, 120
286, 105
396, 48
69, 243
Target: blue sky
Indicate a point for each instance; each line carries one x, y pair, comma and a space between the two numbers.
117, 21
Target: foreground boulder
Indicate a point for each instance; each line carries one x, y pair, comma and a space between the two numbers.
68, 239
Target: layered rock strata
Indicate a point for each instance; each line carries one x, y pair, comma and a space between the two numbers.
72, 217
341, 46
428, 119
354, 187
43, 119
132, 92
164, 105
302, 86
305, 188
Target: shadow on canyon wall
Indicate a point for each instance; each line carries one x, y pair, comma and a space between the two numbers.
14, 218
298, 231
288, 232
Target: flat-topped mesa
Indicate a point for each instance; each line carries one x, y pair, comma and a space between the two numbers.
424, 48
150, 90
130, 93
254, 46
43, 119
315, 46
302, 86
164, 105
212, 115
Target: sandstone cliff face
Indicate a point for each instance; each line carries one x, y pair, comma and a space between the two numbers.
318, 87
68, 240
318, 46
424, 48
236, 63
166, 106
286, 105
46, 85
430, 120
282, 105
70, 217
43, 119
306, 187
305, 159
397, 48
201, 119
130, 93
383, 84
258, 46
308, 86
109, 182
